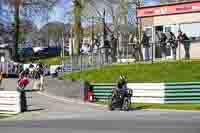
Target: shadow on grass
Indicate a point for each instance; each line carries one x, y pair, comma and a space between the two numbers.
133, 107
34, 110
141, 107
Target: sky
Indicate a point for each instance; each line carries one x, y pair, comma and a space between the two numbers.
59, 12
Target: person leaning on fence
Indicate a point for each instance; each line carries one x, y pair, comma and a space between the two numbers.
41, 76
163, 45
31, 68
173, 43
1, 77
185, 41
114, 48
146, 46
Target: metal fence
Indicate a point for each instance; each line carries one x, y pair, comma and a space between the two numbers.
97, 58
155, 52
10, 68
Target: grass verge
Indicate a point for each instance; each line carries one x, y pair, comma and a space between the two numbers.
140, 106
3, 116
167, 106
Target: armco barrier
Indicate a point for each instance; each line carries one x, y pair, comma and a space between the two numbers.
188, 92
10, 102
102, 92
148, 92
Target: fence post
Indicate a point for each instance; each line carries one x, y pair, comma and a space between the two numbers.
179, 44
152, 54
81, 61
127, 53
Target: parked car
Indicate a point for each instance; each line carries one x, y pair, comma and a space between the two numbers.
47, 51
26, 52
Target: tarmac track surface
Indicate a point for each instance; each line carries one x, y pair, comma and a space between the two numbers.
49, 115
130, 123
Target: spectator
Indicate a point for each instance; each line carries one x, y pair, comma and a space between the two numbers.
163, 45
114, 48
1, 77
31, 68
22, 83
185, 41
85, 48
41, 76
146, 45
173, 44
106, 48
88, 49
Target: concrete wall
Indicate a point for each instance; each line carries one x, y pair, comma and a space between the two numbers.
171, 19
146, 22
176, 19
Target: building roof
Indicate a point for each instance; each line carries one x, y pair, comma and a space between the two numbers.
169, 9
170, 4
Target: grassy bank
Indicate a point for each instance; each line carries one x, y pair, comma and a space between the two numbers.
159, 72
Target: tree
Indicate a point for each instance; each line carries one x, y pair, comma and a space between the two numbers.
89, 8
121, 11
55, 31
37, 6
78, 8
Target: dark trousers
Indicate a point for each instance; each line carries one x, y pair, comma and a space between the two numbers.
187, 51
163, 50
86, 87
174, 52
23, 101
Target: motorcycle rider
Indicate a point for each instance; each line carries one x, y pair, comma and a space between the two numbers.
121, 98
121, 89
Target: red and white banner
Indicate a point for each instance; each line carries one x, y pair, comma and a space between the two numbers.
168, 9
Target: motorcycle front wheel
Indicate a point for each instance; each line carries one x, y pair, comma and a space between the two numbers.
125, 106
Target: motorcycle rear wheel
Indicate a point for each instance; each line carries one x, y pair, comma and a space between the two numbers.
110, 107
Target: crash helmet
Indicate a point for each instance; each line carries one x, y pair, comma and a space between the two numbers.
123, 78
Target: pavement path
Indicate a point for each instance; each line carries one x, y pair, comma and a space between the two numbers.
42, 107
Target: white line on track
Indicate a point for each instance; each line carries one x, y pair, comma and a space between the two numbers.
68, 100
93, 104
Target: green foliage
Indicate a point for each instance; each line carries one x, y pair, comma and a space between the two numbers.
159, 72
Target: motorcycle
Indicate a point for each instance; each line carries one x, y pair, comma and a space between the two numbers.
121, 100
